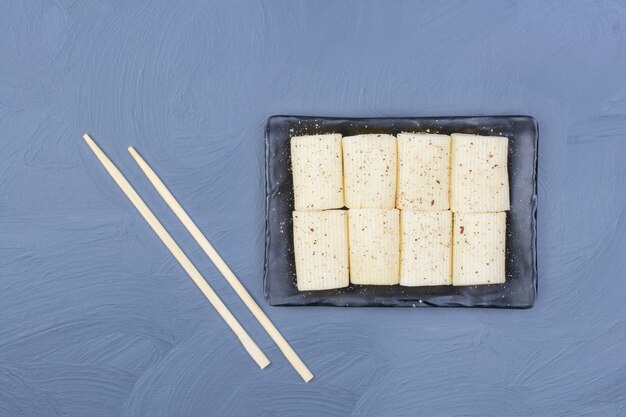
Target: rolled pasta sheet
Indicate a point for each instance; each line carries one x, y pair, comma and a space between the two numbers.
374, 246
426, 248
423, 172
321, 249
316, 164
479, 243
370, 169
479, 178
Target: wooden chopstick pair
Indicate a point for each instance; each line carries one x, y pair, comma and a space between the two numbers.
245, 339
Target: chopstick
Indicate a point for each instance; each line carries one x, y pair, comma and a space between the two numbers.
245, 296
245, 339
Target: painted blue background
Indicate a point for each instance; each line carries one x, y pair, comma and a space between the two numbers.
97, 319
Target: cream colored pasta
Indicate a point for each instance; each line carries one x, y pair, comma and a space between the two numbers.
374, 246
426, 248
423, 171
479, 243
369, 171
321, 249
479, 179
316, 163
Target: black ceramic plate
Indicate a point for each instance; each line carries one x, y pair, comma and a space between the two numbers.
520, 288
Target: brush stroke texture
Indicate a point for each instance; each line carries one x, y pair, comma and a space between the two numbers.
97, 319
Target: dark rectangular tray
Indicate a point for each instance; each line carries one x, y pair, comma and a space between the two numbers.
520, 288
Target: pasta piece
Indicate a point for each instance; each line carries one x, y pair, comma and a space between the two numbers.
480, 179
425, 250
374, 246
479, 248
321, 249
316, 163
370, 171
423, 171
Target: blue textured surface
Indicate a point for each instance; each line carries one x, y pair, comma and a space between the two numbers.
97, 319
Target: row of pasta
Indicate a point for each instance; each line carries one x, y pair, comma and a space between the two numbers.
336, 248
415, 171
